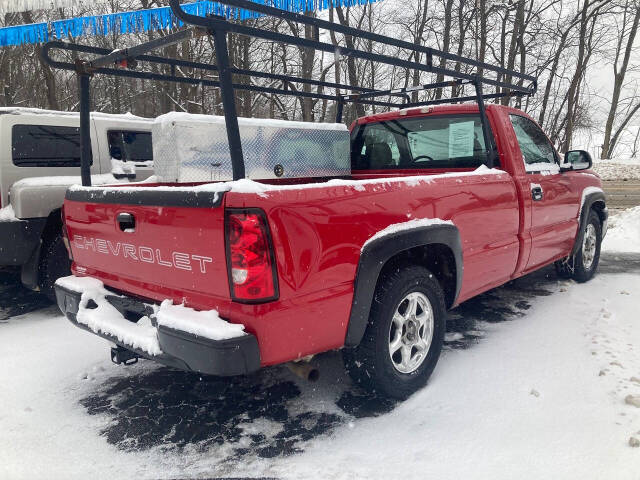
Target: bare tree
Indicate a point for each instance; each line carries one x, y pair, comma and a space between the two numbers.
628, 30
557, 41
589, 13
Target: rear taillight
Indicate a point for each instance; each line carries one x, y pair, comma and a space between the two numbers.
250, 259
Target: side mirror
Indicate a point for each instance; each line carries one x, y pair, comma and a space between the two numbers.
576, 160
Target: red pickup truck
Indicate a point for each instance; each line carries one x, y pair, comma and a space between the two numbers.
224, 278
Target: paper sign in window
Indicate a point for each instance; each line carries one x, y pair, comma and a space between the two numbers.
461, 136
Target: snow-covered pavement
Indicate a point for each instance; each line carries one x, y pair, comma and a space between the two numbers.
532, 385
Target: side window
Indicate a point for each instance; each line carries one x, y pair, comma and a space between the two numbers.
534, 145
130, 146
45, 146
378, 149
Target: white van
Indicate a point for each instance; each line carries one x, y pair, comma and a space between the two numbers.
39, 160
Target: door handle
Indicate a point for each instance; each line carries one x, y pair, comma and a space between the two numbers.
126, 222
537, 193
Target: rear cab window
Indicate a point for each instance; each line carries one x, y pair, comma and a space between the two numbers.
439, 141
45, 146
131, 146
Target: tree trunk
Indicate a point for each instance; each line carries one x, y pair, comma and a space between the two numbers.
623, 125
577, 77
417, 41
446, 40
351, 63
513, 50
47, 73
619, 75
462, 30
308, 57
552, 72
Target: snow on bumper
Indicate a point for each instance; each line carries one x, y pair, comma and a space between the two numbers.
173, 335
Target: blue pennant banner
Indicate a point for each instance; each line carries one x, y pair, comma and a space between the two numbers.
146, 20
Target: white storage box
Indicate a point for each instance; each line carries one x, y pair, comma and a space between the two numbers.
194, 148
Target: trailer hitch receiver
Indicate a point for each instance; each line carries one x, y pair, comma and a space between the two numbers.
123, 356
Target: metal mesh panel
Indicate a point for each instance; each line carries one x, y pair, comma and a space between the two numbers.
194, 148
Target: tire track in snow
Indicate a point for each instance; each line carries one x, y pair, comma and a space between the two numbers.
616, 352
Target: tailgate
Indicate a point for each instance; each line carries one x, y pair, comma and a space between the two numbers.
154, 242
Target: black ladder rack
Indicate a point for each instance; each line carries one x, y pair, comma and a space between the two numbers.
107, 63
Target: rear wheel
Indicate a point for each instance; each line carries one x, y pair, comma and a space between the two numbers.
404, 336
54, 263
583, 265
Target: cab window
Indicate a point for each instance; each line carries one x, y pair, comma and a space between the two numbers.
130, 146
379, 148
443, 141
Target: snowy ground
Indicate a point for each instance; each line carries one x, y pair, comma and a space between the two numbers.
624, 231
618, 169
532, 385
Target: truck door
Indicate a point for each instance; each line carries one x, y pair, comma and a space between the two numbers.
553, 206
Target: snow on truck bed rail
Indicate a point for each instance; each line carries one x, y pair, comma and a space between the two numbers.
263, 189
143, 335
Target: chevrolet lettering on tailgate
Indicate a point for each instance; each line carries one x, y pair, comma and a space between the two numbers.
180, 260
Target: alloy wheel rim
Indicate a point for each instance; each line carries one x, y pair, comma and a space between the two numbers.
411, 332
589, 246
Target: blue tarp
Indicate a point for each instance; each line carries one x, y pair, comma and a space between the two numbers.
146, 20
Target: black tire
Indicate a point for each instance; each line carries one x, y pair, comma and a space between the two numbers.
370, 364
583, 267
54, 263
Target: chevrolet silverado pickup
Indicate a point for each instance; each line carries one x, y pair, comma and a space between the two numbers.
227, 277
